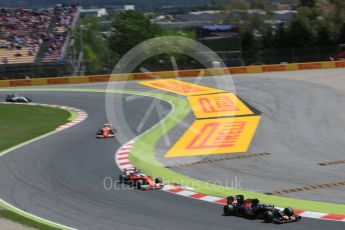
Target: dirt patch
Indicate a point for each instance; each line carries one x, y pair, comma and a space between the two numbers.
10, 225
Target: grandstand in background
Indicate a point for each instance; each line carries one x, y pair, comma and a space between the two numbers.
31, 39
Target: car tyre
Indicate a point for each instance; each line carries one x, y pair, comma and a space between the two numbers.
288, 211
228, 210
139, 184
229, 200
122, 178
268, 217
240, 199
158, 180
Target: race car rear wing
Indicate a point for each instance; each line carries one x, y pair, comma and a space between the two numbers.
130, 170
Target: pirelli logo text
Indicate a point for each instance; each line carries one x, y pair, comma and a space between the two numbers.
221, 104
180, 87
218, 105
216, 136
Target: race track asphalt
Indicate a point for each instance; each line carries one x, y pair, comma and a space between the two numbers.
60, 178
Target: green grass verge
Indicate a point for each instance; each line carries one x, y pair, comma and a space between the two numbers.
143, 156
20, 123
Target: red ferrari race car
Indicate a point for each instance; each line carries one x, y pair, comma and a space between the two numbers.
139, 180
106, 132
253, 209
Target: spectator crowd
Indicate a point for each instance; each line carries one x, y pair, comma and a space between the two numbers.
32, 30
61, 28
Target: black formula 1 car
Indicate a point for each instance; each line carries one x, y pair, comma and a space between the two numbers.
17, 98
253, 209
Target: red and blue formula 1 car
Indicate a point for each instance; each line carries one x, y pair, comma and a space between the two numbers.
139, 180
253, 209
106, 132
